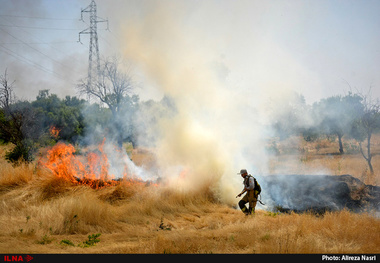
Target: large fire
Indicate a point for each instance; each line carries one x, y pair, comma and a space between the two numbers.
91, 169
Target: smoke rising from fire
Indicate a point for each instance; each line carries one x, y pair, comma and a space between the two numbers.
229, 68
222, 111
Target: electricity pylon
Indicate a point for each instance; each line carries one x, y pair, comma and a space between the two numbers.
93, 57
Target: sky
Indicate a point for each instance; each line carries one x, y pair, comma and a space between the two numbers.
315, 48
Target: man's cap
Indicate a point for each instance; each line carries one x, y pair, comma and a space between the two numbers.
243, 171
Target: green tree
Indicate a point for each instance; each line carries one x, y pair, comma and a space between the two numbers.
63, 114
337, 114
366, 125
19, 123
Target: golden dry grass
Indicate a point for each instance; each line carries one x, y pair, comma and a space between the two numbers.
38, 211
300, 157
159, 221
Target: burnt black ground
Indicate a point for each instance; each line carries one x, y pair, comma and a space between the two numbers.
319, 193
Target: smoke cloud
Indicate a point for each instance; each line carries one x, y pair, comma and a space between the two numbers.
222, 113
227, 71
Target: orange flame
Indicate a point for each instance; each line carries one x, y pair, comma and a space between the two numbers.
93, 171
54, 132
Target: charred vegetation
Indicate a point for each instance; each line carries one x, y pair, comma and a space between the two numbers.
319, 194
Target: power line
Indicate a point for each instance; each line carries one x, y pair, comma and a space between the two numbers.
92, 30
28, 61
35, 49
38, 43
47, 43
39, 17
14, 54
42, 28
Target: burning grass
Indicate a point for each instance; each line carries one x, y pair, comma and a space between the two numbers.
93, 171
136, 217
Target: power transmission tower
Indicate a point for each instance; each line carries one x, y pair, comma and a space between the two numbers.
93, 57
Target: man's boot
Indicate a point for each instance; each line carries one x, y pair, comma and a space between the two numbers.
245, 210
243, 207
250, 211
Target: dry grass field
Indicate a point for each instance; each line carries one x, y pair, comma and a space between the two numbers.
300, 157
44, 214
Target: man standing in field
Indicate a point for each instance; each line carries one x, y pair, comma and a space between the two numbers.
250, 196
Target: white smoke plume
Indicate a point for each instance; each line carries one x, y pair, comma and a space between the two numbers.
229, 69
221, 120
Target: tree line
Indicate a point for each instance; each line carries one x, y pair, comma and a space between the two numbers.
114, 113
353, 115
29, 124
119, 115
